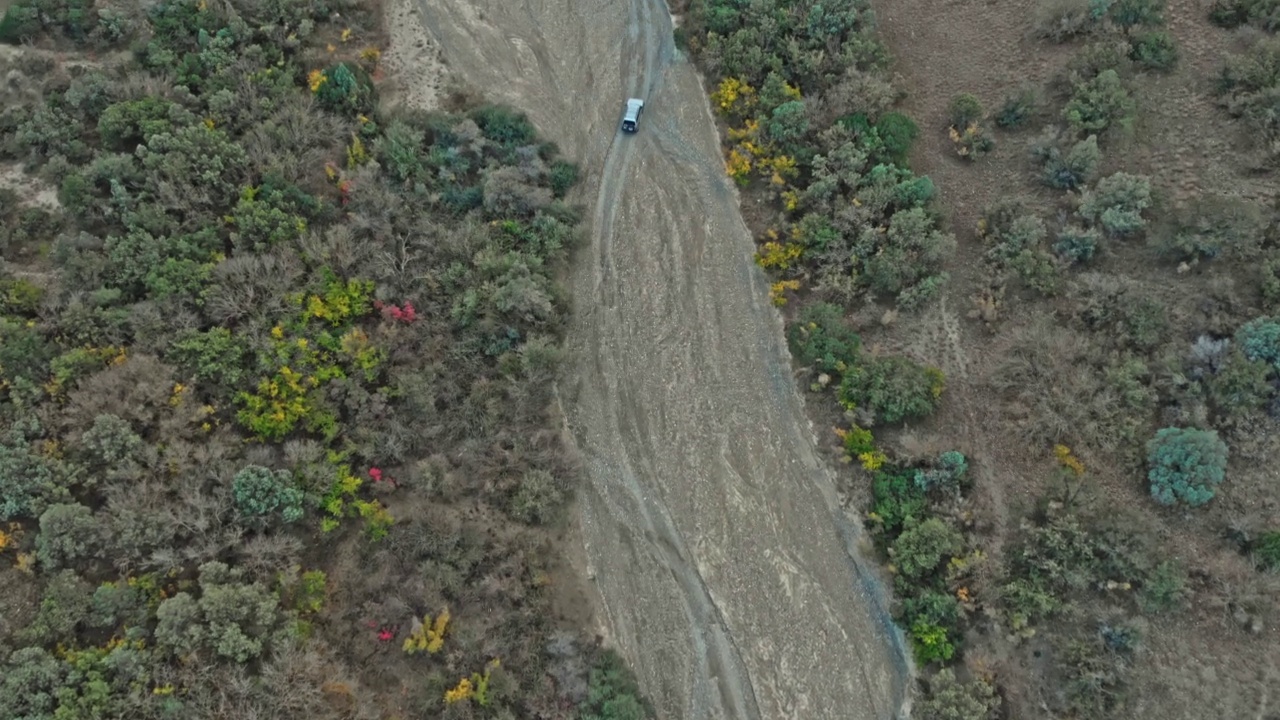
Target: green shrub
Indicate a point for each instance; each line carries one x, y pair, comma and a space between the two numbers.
230, 619
896, 132
892, 388
964, 110
950, 699
564, 175
504, 126
68, 533
897, 500
347, 90
1164, 588
931, 643
1078, 244
1213, 225
1117, 202
260, 492
1240, 386
1018, 109
27, 479
923, 547
1063, 20
821, 338
909, 254
1072, 170
1266, 550
1009, 228
1249, 84
1186, 465
613, 694
1234, 13
1099, 103
539, 498
930, 606
20, 297
1154, 51
1128, 13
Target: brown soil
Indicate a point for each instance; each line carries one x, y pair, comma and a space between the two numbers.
1199, 663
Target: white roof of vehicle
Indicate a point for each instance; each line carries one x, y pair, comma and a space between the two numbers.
633, 108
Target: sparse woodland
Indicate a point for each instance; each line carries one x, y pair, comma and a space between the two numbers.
1171, 395
275, 381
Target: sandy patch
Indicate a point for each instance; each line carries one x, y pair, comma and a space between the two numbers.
32, 192
413, 62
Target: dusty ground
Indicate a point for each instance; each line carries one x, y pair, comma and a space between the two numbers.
728, 572
1199, 663
412, 63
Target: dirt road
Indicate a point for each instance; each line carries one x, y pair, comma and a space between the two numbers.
725, 565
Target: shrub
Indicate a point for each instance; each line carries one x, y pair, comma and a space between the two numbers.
1266, 550
346, 89
1213, 225
1259, 339
1186, 465
1009, 228
110, 441
68, 533
1098, 103
892, 388
950, 699
504, 126
1117, 202
931, 643
1018, 108
1163, 589
1154, 50
923, 546
821, 338
964, 110
908, 254
612, 693
564, 175
947, 472
1234, 13
898, 501
1248, 83
1077, 244
897, 132
539, 498
1240, 385
1062, 20
1072, 170
1128, 13
260, 492
231, 619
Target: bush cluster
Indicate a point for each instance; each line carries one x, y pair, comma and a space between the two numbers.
210, 391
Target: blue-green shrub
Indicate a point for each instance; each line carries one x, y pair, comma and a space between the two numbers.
1186, 464
1259, 339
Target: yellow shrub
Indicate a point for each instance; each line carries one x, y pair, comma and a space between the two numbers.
777, 255
1067, 460
733, 96
749, 131
872, 460
463, 691
315, 79
428, 635
777, 290
738, 166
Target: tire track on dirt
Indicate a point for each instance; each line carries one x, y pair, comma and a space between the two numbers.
727, 570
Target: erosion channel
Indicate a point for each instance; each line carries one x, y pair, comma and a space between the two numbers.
727, 570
